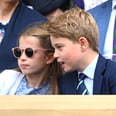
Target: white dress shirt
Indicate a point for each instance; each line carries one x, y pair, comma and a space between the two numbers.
90, 71
88, 4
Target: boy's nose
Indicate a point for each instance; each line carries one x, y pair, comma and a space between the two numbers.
55, 54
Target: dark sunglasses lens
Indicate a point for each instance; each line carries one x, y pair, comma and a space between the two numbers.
29, 52
17, 52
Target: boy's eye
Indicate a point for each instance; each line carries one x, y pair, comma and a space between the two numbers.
59, 47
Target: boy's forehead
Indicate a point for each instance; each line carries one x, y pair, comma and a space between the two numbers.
60, 40
56, 40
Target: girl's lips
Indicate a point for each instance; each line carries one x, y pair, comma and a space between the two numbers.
23, 65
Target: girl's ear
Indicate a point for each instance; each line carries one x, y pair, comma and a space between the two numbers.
50, 58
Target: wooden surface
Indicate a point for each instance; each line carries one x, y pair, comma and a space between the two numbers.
58, 105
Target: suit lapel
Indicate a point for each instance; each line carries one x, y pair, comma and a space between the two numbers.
99, 74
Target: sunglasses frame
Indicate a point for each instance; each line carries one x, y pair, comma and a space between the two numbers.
26, 52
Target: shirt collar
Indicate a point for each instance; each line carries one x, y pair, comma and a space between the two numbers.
113, 3
90, 70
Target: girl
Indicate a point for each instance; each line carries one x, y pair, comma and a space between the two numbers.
38, 70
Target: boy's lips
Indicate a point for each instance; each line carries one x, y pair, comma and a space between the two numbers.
62, 64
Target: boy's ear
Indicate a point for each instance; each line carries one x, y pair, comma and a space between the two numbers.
50, 58
83, 42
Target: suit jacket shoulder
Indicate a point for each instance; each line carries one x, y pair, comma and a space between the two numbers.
68, 83
105, 77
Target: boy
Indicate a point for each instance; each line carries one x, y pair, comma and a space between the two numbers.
74, 35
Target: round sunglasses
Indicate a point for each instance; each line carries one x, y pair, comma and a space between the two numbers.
29, 52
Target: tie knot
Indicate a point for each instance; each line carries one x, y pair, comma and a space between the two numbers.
82, 76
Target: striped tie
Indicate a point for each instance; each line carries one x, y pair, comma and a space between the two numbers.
81, 88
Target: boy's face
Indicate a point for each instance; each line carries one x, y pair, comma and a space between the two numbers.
68, 53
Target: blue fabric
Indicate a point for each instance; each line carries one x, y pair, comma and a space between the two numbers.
104, 79
2, 31
20, 19
24, 89
79, 3
102, 14
114, 43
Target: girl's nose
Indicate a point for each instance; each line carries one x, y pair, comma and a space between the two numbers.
23, 55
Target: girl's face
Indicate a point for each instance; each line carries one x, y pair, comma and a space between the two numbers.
35, 64
68, 53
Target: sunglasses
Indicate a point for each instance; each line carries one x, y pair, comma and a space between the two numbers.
29, 52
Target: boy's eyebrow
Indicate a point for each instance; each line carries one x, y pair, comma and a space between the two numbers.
57, 44
54, 44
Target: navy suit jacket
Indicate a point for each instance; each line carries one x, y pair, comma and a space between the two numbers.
102, 14
21, 17
104, 79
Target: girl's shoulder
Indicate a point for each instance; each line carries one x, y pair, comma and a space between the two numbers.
10, 73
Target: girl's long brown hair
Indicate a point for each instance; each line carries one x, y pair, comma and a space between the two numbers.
55, 70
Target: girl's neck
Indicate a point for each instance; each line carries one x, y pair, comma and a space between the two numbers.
36, 80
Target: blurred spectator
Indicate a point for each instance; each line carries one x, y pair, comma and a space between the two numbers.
49, 8
14, 16
104, 15
79, 3
88, 4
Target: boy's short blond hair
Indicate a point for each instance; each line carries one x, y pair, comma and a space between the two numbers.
73, 24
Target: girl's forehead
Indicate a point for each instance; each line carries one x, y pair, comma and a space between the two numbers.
29, 40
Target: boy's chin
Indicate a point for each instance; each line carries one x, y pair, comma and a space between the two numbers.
67, 70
